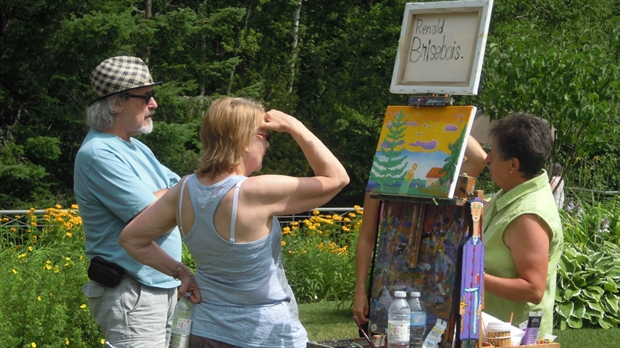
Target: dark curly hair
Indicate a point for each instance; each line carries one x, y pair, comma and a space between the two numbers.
525, 137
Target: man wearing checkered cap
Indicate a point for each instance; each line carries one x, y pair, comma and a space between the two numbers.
116, 177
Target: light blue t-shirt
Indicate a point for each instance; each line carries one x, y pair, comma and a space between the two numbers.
113, 181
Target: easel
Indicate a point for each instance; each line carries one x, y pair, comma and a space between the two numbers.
451, 223
426, 221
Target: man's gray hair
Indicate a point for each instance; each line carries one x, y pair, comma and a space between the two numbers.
100, 115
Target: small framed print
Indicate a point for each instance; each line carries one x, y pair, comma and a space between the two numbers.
441, 47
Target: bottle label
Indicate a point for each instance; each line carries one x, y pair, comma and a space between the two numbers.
181, 326
418, 319
398, 331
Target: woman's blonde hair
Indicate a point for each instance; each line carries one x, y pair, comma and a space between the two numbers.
227, 129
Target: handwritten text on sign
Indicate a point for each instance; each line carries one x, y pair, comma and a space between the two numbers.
441, 47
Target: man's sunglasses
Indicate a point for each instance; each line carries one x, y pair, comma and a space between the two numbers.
147, 96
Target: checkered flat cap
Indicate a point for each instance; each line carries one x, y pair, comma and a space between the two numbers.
120, 74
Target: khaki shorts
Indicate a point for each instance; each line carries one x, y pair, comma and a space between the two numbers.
132, 314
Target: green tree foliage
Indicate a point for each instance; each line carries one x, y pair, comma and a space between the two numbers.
554, 60
326, 62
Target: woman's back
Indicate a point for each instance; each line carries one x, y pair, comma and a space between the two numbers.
242, 283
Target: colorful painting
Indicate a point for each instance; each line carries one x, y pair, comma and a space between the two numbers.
418, 250
420, 151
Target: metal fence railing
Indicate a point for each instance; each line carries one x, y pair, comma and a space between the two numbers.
18, 221
18, 218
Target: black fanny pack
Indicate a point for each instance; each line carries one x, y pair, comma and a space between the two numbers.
104, 272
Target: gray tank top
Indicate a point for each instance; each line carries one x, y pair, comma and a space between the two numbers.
246, 299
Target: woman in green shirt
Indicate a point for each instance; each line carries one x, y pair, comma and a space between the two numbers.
522, 227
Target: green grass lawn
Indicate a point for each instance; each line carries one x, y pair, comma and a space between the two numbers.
329, 321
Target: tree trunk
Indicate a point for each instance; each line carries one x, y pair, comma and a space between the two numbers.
148, 13
245, 30
295, 44
148, 8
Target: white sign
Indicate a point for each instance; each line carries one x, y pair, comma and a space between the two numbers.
441, 47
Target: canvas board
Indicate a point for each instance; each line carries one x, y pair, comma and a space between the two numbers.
420, 150
441, 47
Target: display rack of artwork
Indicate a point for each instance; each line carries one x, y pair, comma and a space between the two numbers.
419, 249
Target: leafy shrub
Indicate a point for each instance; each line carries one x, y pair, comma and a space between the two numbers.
589, 269
319, 256
43, 270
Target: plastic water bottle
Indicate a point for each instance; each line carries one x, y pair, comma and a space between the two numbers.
398, 321
181, 323
418, 321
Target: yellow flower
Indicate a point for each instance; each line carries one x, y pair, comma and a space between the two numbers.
351, 215
286, 230
33, 224
74, 206
32, 209
17, 217
294, 223
316, 212
291, 252
66, 341
345, 228
5, 219
56, 270
357, 207
21, 256
283, 243
48, 265
30, 248
58, 206
103, 341
67, 258
83, 306
34, 345
12, 229
69, 234
15, 271
39, 298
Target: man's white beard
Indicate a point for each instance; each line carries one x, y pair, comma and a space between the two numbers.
148, 128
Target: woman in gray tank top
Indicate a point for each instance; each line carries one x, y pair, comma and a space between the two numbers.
228, 223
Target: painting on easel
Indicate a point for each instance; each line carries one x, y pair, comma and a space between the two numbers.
420, 151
